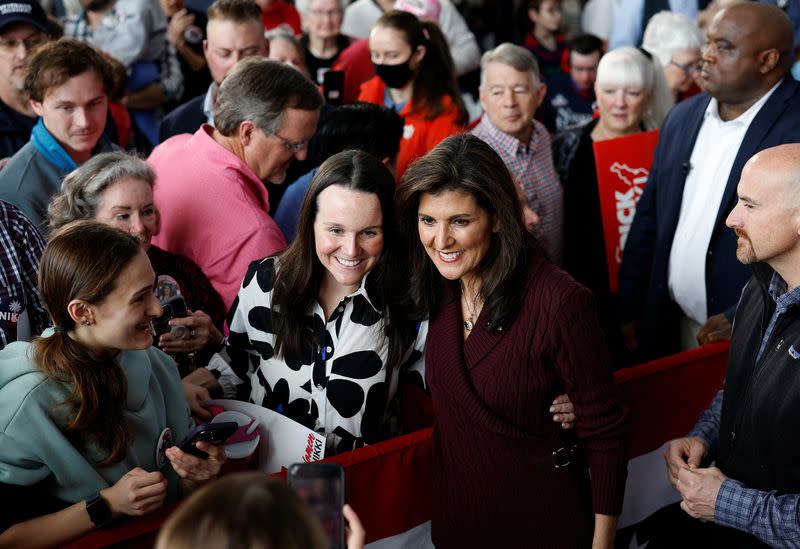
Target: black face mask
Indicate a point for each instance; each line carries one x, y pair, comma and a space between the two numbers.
395, 76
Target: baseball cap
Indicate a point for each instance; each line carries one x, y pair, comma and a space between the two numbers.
424, 9
23, 11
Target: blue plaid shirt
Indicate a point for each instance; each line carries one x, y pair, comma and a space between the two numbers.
772, 517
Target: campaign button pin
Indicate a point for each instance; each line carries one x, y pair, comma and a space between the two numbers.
164, 442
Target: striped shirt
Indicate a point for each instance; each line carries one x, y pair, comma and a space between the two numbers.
531, 164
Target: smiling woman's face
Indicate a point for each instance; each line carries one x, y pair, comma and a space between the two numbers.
348, 234
128, 205
455, 231
122, 319
621, 107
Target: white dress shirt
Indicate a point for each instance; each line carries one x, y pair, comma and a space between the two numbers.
628, 25
712, 158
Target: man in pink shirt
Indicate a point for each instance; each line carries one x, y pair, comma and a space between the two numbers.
209, 188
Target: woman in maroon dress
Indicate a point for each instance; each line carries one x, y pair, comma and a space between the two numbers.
508, 332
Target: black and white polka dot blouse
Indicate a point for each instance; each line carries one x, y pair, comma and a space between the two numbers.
341, 389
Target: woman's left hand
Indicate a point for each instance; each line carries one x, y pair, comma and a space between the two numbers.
200, 333
196, 468
563, 411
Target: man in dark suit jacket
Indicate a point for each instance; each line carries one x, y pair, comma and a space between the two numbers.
747, 58
234, 31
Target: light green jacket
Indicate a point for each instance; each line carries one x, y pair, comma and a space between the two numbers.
33, 447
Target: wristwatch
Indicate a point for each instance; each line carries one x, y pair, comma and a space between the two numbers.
99, 511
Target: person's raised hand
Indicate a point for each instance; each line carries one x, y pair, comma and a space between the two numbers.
177, 27
199, 332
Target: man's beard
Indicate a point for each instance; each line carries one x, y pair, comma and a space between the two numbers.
744, 249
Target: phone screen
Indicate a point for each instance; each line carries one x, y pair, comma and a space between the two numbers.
333, 87
321, 486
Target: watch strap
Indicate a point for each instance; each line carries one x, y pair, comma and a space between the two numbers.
99, 511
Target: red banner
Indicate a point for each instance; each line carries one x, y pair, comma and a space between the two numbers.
623, 165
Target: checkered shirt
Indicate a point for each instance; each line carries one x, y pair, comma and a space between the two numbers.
21, 246
772, 517
531, 164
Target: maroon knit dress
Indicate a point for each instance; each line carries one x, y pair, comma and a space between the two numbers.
494, 484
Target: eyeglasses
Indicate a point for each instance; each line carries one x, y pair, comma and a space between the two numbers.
294, 146
688, 68
333, 14
12, 44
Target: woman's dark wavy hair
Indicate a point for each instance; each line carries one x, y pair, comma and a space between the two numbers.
84, 260
464, 163
299, 276
436, 74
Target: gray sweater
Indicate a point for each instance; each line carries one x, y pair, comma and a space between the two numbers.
29, 180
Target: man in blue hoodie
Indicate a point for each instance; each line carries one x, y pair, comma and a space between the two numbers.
68, 83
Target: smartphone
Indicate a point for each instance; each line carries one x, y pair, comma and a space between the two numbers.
333, 87
174, 307
215, 433
321, 486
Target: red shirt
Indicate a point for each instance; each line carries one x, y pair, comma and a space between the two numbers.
419, 135
357, 66
278, 13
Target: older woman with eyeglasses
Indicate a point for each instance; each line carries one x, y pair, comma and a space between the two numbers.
322, 39
675, 41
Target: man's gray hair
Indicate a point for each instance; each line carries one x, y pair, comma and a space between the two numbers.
81, 188
280, 33
516, 57
260, 90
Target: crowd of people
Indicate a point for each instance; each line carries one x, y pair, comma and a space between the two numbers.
329, 205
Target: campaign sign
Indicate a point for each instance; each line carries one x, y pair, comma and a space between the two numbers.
283, 440
623, 165
11, 307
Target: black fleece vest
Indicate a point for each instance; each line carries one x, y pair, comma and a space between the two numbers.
758, 442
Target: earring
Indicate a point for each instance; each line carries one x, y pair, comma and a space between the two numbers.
87, 322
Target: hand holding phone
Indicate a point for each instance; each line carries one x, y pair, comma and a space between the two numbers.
214, 433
